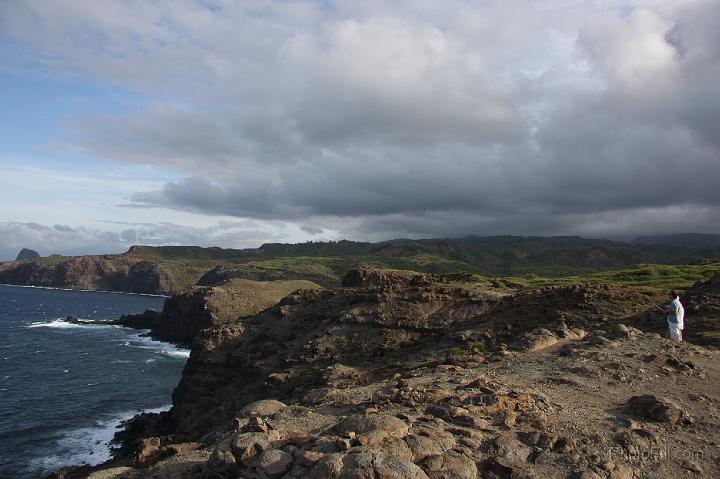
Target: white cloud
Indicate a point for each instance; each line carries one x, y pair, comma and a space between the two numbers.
405, 118
117, 237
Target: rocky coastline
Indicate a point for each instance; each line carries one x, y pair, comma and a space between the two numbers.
185, 314
90, 273
397, 375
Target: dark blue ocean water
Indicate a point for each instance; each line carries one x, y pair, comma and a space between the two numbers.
63, 387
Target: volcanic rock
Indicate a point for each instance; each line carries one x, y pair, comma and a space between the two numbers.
264, 407
26, 253
655, 407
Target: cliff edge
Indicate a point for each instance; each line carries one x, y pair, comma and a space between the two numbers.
185, 314
399, 375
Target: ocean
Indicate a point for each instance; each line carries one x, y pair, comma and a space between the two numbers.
64, 388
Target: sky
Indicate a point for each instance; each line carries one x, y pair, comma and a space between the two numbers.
235, 123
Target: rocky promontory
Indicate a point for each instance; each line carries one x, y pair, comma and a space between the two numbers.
89, 273
186, 313
398, 375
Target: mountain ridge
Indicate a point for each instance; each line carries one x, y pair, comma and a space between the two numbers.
688, 240
168, 269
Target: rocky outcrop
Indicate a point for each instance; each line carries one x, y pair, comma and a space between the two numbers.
398, 376
145, 276
26, 253
384, 278
149, 319
89, 273
186, 313
657, 408
381, 320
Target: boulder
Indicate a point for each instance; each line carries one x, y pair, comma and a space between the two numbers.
499, 468
431, 445
509, 448
265, 407
620, 331
393, 467
691, 465
374, 428
449, 465
274, 462
535, 340
329, 466
622, 471
360, 465
222, 460
246, 446
655, 407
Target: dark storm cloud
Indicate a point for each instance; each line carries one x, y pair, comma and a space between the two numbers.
406, 119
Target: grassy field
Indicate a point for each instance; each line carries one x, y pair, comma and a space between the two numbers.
679, 277
656, 275
329, 270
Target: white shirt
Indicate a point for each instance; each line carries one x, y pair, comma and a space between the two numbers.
678, 315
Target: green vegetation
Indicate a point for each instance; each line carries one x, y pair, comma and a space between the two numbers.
653, 275
463, 277
471, 259
472, 347
477, 346
502, 262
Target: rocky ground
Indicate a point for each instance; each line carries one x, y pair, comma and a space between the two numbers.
395, 375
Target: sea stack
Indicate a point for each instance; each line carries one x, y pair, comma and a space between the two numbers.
26, 253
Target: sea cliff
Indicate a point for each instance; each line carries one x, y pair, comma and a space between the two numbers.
398, 374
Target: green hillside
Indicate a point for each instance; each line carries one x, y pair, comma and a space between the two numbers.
528, 260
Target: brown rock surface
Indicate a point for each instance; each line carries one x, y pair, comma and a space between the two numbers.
378, 383
655, 407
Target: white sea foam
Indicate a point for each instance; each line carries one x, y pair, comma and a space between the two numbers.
84, 290
137, 340
61, 323
159, 347
87, 445
57, 323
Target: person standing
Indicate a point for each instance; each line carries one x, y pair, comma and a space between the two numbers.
675, 317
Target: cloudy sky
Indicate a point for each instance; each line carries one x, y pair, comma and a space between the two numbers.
233, 123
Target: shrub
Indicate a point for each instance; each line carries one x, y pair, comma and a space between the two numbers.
477, 346
456, 351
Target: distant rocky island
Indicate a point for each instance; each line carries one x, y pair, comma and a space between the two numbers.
27, 254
